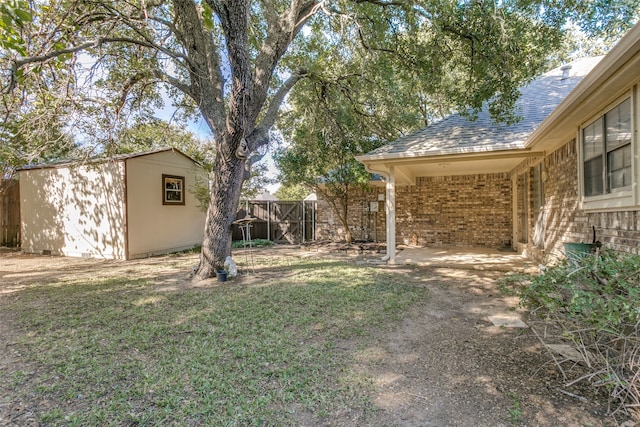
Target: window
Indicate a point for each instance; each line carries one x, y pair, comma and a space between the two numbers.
606, 148
172, 190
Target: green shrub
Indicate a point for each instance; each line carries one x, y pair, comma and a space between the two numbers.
254, 243
601, 292
594, 303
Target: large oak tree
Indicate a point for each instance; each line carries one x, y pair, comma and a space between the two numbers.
235, 61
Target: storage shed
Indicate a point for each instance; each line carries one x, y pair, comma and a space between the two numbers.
124, 207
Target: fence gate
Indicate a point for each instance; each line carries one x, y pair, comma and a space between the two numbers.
279, 221
9, 213
288, 222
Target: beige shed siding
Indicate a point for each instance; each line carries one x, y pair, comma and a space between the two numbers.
566, 222
74, 211
153, 227
462, 210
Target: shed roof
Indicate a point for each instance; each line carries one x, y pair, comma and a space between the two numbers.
117, 157
457, 134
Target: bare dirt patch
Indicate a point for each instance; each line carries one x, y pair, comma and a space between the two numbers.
445, 364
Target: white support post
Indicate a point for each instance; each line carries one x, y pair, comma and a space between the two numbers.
390, 208
514, 211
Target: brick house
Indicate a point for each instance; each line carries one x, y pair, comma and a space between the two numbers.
572, 163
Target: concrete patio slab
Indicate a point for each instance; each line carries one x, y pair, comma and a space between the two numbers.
466, 258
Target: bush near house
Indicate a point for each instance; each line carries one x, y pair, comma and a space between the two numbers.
594, 304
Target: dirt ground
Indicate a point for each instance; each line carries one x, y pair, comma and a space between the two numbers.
445, 365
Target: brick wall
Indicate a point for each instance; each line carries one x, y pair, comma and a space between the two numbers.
475, 210
466, 210
566, 222
364, 225
469, 210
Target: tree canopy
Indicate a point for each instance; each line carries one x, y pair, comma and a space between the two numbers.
92, 65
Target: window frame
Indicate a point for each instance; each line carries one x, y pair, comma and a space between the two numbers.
615, 198
172, 202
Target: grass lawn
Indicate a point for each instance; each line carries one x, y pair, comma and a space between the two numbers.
119, 349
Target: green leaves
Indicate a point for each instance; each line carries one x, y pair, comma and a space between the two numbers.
599, 292
14, 14
207, 16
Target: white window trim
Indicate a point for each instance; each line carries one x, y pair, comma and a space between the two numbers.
617, 199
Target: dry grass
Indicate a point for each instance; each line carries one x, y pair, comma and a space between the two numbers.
138, 344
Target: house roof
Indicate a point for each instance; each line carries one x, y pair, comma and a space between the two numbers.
457, 134
610, 79
117, 157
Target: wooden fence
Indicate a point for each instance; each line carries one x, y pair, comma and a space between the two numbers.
279, 221
9, 213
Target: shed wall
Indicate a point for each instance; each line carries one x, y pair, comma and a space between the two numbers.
153, 227
74, 211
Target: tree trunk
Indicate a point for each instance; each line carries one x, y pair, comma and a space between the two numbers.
226, 185
348, 237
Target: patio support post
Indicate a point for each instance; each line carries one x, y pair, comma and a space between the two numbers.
390, 207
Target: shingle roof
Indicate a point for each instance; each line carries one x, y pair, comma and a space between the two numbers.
117, 157
457, 134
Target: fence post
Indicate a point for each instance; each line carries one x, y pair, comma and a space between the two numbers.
268, 220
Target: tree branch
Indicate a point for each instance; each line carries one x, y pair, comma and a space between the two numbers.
381, 3
276, 101
207, 83
260, 135
181, 86
233, 16
280, 33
